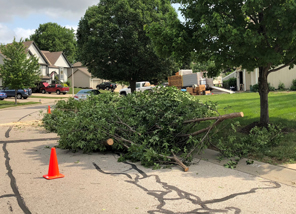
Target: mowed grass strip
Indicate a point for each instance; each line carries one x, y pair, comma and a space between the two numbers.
7, 104
282, 110
44, 97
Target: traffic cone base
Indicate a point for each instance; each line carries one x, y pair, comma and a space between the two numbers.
53, 169
53, 177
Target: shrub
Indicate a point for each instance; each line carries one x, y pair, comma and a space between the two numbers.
293, 87
226, 84
255, 88
271, 88
281, 86
231, 82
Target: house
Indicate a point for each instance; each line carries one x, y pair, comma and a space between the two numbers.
82, 77
52, 64
246, 78
58, 66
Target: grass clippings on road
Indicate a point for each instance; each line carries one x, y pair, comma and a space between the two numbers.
281, 111
8, 104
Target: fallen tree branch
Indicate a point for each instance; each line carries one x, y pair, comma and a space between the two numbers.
222, 117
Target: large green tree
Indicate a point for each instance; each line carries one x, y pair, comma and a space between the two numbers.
113, 44
18, 70
53, 37
248, 33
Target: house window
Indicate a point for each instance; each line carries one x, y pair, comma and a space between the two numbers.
62, 75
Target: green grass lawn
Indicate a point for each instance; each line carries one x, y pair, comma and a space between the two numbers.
282, 110
7, 104
44, 97
75, 90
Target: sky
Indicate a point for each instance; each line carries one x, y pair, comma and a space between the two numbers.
20, 18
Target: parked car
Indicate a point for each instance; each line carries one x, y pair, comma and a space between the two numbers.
58, 88
140, 86
21, 93
2, 95
106, 85
84, 93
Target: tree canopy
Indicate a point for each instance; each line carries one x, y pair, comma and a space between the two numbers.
252, 34
53, 37
113, 44
18, 70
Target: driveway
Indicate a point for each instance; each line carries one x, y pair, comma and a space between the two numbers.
97, 183
41, 98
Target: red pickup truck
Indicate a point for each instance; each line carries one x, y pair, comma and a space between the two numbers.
54, 88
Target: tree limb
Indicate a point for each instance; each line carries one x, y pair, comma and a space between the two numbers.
279, 68
222, 117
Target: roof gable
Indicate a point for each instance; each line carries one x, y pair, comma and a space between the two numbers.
32, 49
77, 64
83, 70
54, 57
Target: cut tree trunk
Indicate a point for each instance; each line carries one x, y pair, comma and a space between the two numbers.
263, 92
108, 142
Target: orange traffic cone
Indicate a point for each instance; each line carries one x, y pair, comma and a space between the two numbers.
48, 110
53, 170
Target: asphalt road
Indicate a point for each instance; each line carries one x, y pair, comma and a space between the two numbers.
97, 183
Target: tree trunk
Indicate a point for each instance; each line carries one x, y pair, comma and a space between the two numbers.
263, 92
15, 97
132, 85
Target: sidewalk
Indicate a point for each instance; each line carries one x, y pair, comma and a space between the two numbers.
285, 173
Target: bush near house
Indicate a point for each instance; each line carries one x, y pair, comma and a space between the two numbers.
293, 87
281, 87
255, 88
231, 82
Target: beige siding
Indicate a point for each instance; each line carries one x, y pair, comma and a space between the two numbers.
62, 62
80, 80
95, 82
65, 71
43, 70
253, 78
248, 79
284, 75
0, 81
35, 52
